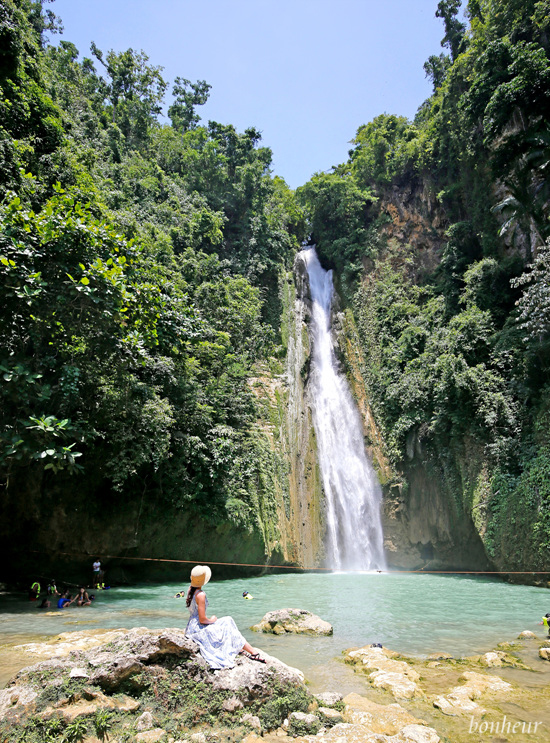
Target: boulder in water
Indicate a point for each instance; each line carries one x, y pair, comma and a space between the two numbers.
385, 672
462, 700
296, 621
527, 635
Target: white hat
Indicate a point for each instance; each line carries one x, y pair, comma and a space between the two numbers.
200, 575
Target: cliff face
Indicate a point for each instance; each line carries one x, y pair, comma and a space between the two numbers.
57, 527
424, 525
433, 513
416, 219
298, 495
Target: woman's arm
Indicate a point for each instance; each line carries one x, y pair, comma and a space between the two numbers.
200, 598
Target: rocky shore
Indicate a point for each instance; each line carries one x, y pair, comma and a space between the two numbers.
152, 685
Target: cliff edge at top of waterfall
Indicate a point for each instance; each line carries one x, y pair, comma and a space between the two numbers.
296, 621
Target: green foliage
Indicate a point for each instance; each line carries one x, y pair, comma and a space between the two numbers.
534, 304
282, 702
429, 377
76, 730
139, 267
385, 150
456, 360
187, 95
103, 721
338, 210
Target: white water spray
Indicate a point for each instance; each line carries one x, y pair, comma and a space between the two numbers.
354, 539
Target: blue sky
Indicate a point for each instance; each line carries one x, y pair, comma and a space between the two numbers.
306, 73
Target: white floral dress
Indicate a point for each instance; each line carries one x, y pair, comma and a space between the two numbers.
219, 642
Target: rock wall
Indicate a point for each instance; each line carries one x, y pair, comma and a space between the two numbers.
427, 513
299, 493
55, 527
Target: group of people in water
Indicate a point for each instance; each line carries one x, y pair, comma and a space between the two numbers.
64, 598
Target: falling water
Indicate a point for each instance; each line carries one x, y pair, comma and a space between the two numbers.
354, 538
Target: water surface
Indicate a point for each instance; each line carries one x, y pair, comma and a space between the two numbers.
412, 613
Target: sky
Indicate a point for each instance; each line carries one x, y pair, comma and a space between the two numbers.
305, 73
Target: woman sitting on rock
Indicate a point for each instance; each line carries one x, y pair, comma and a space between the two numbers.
219, 640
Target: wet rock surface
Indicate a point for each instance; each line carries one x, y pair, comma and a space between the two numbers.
295, 621
462, 700
385, 671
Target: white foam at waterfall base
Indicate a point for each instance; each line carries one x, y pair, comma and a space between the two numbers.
354, 539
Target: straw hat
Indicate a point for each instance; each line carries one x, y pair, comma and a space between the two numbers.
200, 575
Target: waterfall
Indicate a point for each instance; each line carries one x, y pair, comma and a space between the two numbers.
354, 539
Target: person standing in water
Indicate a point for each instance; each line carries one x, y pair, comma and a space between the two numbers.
219, 640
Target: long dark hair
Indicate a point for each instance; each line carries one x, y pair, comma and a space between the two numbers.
190, 594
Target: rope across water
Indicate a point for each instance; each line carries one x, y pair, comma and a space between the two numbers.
269, 566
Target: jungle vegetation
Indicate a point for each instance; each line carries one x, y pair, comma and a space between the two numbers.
457, 357
139, 266
140, 261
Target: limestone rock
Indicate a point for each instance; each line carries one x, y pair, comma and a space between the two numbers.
329, 698
129, 653
301, 723
113, 671
544, 653
440, 656
253, 677
482, 683
396, 676
492, 660
144, 721
69, 642
396, 683
346, 733
415, 734
16, 701
527, 635
251, 738
87, 704
149, 653
329, 716
253, 721
498, 659
79, 673
296, 621
232, 704
458, 702
461, 700
386, 719
150, 736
